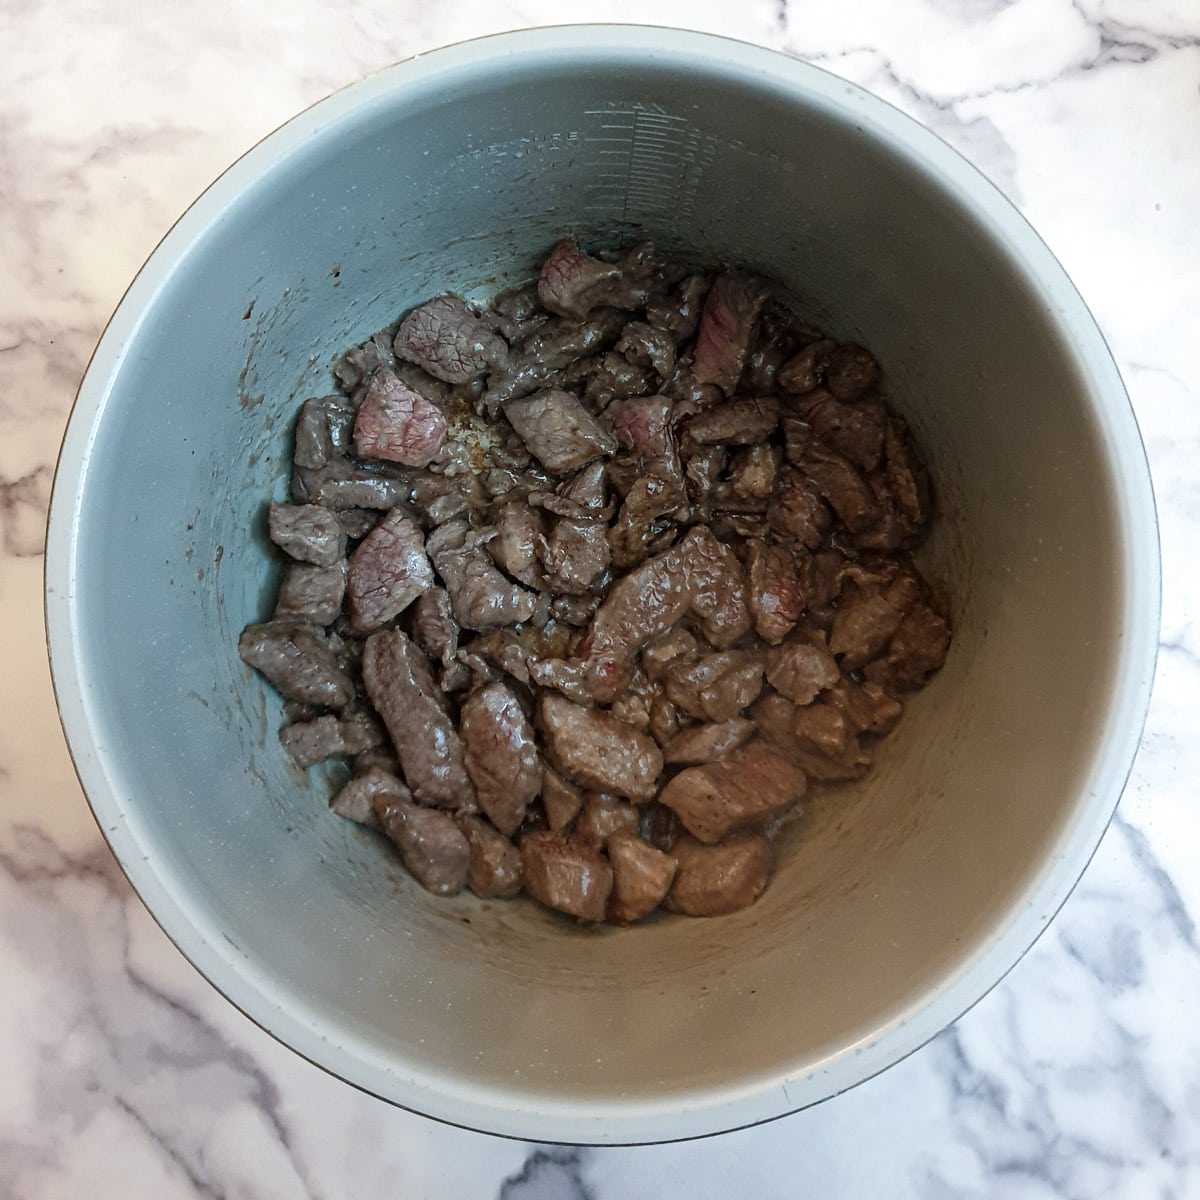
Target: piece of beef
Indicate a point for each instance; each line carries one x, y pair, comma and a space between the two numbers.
480, 596
398, 424
575, 610
561, 799
388, 571
323, 431
797, 511
573, 283
825, 728
500, 649
868, 707
501, 755
855, 431
753, 472
916, 650
567, 678
707, 743
558, 430
582, 497
495, 863
442, 498
868, 614
775, 591
712, 881
749, 786
841, 484
361, 362
602, 817
356, 799
307, 532
660, 826
433, 848
566, 874
445, 338
345, 483
311, 594
518, 527
666, 721
608, 377
315, 740
702, 471
697, 576
801, 668
718, 686
647, 514
679, 312
776, 339
741, 422
517, 313
544, 354
642, 876
575, 555
676, 645
901, 490
823, 573
726, 327
808, 368
433, 626
357, 522
597, 751
398, 681
645, 345
851, 372
298, 661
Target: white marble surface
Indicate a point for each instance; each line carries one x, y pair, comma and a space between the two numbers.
122, 1074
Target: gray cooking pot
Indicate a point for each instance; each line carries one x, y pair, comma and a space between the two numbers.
899, 901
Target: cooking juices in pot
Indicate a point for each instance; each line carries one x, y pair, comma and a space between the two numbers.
593, 585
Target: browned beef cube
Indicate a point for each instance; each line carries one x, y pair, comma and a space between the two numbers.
603, 817
560, 798
445, 338
707, 743
311, 594
642, 877
712, 881
395, 422
917, 649
356, 799
560, 433
775, 591
307, 532
718, 686
434, 849
501, 755
388, 571
749, 786
495, 869
800, 668
566, 874
299, 662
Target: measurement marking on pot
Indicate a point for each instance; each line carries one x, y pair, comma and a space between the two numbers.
650, 162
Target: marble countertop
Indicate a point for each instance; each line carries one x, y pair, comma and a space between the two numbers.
123, 1074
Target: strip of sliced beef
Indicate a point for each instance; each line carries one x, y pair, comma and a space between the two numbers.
399, 683
445, 338
307, 532
311, 594
388, 571
916, 650
718, 686
495, 863
398, 424
298, 661
603, 817
731, 309
741, 422
323, 431
713, 881
480, 596
344, 483
434, 849
775, 589
801, 668
356, 799
433, 625
501, 755
642, 876
698, 576
560, 433
750, 786
710, 742
596, 751
566, 874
